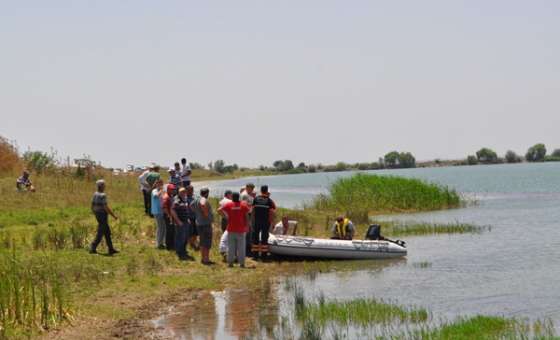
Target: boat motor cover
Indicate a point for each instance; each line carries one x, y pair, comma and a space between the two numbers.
373, 232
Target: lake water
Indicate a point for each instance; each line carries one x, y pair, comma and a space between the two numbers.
513, 270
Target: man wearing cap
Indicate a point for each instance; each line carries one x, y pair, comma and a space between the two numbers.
101, 210
166, 205
204, 218
263, 214
184, 220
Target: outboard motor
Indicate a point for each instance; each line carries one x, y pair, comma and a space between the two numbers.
374, 232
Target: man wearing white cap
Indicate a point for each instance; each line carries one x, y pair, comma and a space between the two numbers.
101, 210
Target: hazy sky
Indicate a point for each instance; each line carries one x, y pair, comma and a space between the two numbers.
255, 81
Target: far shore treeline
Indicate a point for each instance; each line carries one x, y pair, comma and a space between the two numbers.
40, 161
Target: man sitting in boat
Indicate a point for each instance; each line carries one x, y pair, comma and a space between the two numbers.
343, 229
285, 227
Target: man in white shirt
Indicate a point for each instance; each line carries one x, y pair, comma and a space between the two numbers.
185, 173
283, 227
226, 199
146, 190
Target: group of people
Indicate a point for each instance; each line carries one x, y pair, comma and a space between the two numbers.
183, 219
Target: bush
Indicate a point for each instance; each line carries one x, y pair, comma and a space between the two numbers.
536, 153
472, 160
396, 160
39, 161
512, 157
9, 159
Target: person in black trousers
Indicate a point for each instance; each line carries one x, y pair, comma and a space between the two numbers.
101, 210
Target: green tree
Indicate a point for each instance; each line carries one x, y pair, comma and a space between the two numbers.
39, 161
341, 166
392, 159
219, 166
288, 165
512, 157
536, 153
472, 160
486, 155
407, 160
556, 153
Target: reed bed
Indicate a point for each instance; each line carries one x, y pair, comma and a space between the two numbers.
361, 312
362, 194
424, 228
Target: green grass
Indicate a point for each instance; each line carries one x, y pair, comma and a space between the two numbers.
489, 327
422, 228
361, 194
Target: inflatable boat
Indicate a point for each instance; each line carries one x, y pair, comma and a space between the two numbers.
335, 249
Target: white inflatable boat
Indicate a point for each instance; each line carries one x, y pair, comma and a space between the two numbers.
334, 249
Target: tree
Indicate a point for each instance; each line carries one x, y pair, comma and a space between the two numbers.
195, 166
288, 165
341, 166
536, 153
512, 157
219, 166
39, 161
556, 153
486, 155
407, 160
472, 160
392, 159
301, 166
312, 168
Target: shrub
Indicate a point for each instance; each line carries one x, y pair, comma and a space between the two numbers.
512, 157
472, 160
39, 161
9, 159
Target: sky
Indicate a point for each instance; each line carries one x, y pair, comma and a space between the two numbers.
250, 82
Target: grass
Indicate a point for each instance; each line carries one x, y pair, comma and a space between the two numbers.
423, 228
379, 319
360, 195
361, 312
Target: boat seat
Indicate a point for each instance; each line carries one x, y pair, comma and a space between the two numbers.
374, 232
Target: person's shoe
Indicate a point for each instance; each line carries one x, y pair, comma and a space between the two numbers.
113, 252
93, 251
161, 247
230, 265
189, 258
207, 263
182, 258
241, 266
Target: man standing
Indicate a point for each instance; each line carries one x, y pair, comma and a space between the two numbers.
157, 212
248, 195
174, 177
185, 173
101, 210
283, 227
166, 205
263, 214
146, 190
237, 213
226, 199
182, 216
204, 219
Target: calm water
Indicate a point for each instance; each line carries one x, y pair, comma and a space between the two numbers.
513, 270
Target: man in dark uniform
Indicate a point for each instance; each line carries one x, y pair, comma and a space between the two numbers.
101, 210
263, 214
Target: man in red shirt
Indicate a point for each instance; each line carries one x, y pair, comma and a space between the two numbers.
237, 213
